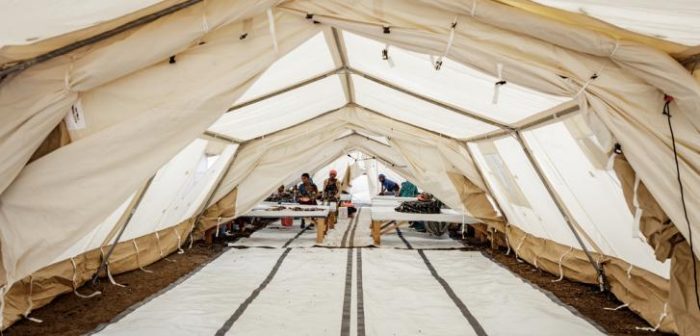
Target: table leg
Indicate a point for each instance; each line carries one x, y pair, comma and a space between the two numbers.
331, 220
320, 230
376, 232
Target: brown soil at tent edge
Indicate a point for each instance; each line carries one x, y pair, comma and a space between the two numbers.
71, 315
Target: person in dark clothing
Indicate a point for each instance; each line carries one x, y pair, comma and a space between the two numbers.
389, 187
331, 187
307, 193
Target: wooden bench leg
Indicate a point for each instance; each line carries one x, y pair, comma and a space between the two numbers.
376, 232
331, 220
320, 230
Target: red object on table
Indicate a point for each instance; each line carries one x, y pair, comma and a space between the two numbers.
287, 221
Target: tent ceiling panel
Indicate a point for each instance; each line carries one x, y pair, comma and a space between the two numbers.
454, 84
575, 164
675, 21
284, 110
308, 60
400, 106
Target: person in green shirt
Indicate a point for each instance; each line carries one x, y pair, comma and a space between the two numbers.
408, 189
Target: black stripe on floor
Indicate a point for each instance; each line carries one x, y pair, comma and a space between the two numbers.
295, 237
357, 221
462, 307
241, 309
360, 296
400, 234
347, 298
343, 242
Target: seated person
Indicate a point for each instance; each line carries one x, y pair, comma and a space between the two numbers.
307, 193
389, 187
307, 190
280, 196
408, 189
331, 187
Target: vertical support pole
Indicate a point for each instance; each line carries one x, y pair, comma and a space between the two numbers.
216, 187
560, 205
132, 211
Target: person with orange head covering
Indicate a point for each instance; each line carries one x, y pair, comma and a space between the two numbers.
331, 187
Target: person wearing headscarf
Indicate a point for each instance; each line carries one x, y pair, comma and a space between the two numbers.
331, 187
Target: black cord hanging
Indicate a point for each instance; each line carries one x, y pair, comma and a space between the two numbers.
667, 112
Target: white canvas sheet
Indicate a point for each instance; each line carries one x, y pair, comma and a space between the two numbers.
202, 303
274, 235
417, 240
502, 302
304, 298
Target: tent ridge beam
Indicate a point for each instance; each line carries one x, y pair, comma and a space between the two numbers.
287, 89
528, 125
429, 100
342, 53
355, 134
24, 64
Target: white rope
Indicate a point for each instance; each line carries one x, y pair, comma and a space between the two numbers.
75, 285
497, 85
179, 241
30, 302
138, 261
629, 271
661, 319
162, 255
561, 268
273, 33
618, 307
507, 242
517, 257
473, 11
218, 227
637, 210
611, 161
617, 45
3, 290
450, 39
109, 272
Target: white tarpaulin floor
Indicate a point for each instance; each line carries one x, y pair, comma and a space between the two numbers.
295, 289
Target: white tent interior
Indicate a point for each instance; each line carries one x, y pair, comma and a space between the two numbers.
545, 124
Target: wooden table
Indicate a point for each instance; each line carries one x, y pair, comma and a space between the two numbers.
384, 214
321, 215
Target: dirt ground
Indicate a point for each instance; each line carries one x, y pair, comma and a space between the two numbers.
71, 315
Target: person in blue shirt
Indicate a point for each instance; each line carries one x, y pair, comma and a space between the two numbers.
389, 187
